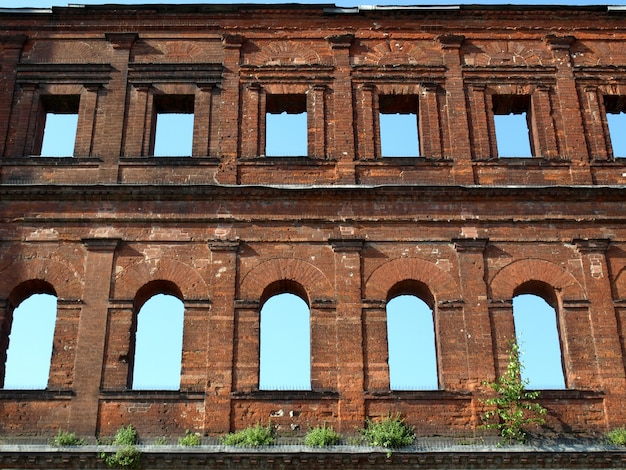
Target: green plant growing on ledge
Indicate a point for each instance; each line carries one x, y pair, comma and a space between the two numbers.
127, 456
321, 436
253, 436
617, 437
391, 433
190, 440
513, 404
66, 439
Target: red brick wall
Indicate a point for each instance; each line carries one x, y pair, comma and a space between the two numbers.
466, 227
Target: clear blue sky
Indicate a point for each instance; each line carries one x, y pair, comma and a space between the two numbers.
412, 364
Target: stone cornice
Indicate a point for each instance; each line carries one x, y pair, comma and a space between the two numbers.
175, 192
338, 457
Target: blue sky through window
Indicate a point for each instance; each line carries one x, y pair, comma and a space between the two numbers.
158, 346
398, 135
286, 135
285, 360
30, 343
174, 135
59, 135
538, 337
411, 341
617, 131
512, 135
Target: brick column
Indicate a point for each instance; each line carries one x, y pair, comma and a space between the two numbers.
229, 127
376, 365
457, 127
350, 379
503, 332
597, 132
429, 122
138, 122
604, 326
86, 121
341, 128
323, 346
110, 114
10, 51
542, 128
567, 113
316, 125
253, 121
194, 352
483, 131
92, 331
221, 336
367, 123
477, 335
22, 135
202, 121
64, 346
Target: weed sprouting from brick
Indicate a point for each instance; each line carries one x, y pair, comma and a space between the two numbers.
191, 439
253, 436
514, 407
391, 433
322, 436
127, 455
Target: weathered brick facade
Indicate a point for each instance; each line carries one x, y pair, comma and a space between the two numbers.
226, 227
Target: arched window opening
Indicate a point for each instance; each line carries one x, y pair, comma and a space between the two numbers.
30, 340
537, 335
158, 344
411, 342
285, 352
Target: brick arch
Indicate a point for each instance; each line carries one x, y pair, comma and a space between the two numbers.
440, 283
597, 53
286, 53
396, 52
68, 51
311, 278
503, 53
186, 278
63, 278
507, 279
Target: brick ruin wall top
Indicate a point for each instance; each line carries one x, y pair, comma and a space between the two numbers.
343, 227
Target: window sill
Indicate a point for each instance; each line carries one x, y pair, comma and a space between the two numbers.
33, 395
569, 394
406, 161
285, 395
286, 160
617, 161
524, 161
417, 395
168, 161
36, 160
154, 395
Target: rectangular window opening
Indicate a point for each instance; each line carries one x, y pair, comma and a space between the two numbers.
399, 134
60, 125
615, 107
511, 120
173, 136
286, 132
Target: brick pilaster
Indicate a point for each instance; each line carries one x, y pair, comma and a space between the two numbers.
604, 327
350, 378
92, 335
221, 336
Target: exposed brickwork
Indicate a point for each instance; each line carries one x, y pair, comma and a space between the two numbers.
462, 229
